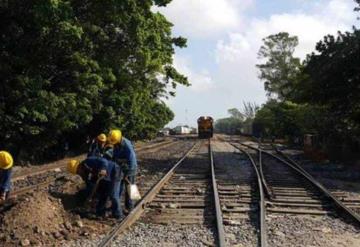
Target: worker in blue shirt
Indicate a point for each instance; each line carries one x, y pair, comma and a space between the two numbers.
6, 163
124, 155
103, 176
97, 146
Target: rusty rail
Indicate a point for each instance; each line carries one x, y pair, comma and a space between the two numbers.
296, 167
219, 218
62, 164
263, 227
140, 207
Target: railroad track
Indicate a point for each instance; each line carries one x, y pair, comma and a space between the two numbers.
351, 203
241, 196
56, 166
198, 191
186, 195
45, 176
292, 191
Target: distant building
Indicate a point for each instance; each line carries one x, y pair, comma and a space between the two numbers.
194, 131
164, 132
181, 130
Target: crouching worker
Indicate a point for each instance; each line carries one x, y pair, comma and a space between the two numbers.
97, 146
103, 178
124, 155
6, 163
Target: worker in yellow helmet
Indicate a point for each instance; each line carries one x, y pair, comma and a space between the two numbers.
90, 170
97, 146
124, 155
6, 163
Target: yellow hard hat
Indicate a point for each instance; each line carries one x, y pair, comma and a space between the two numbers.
73, 166
114, 136
101, 137
6, 160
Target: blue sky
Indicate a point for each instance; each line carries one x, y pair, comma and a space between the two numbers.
224, 37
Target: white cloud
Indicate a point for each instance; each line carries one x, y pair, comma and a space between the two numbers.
232, 77
310, 28
205, 18
236, 56
200, 81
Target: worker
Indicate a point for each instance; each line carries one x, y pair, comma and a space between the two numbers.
97, 146
124, 155
6, 163
103, 178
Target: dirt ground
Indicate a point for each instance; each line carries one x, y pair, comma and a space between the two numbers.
57, 215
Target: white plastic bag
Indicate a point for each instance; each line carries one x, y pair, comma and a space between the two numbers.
134, 192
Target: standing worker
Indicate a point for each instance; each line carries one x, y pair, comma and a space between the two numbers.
124, 155
103, 178
6, 163
97, 146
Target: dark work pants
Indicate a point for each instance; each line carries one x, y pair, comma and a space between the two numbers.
5, 178
109, 189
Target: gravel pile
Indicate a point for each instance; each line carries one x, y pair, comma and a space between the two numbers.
143, 234
166, 235
242, 234
311, 231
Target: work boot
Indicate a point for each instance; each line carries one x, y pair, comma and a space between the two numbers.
118, 218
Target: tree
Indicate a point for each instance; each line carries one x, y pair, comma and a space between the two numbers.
332, 81
287, 120
280, 67
228, 125
235, 113
72, 68
249, 110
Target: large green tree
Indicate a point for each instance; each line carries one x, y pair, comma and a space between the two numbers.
332, 81
287, 120
279, 68
72, 68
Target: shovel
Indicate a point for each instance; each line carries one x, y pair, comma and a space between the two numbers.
89, 200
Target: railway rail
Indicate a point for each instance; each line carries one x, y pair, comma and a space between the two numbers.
61, 164
301, 185
341, 198
187, 194
197, 191
290, 190
242, 198
44, 176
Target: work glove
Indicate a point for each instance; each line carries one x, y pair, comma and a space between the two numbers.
102, 173
2, 196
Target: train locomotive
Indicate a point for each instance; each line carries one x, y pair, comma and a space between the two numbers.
205, 127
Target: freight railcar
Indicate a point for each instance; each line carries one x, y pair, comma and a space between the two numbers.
205, 127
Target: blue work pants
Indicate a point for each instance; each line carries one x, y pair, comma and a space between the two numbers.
109, 190
5, 179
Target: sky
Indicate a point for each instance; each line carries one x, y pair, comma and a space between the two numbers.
224, 37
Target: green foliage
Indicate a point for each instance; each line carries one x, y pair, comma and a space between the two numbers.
249, 110
357, 8
228, 125
332, 81
236, 114
280, 67
286, 119
74, 68
238, 120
